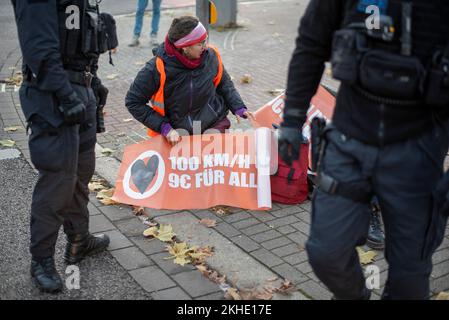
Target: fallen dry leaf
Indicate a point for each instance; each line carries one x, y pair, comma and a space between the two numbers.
212, 275
165, 233
221, 210
15, 80
109, 202
286, 287
247, 78
138, 211
208, 222
105, 196
150, 232
256, 294
180, 251
7, 143
442, 296
11, 129
207, 250
97, 179
149, 223
264, 295
247, 294
233, 294
199, 255
183, 260
270, 289
272, 279
366, 257
105, 193
107, 151
112, 76
203, 269
215, 277
95, 186
276, 92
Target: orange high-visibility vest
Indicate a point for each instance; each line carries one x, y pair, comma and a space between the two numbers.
157, 100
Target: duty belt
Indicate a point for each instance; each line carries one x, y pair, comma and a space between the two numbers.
83, 78
358, 191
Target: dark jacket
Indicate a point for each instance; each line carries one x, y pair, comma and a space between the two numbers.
190, 95
356, 116
39, 42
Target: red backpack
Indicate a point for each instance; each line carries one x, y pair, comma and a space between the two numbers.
289, 184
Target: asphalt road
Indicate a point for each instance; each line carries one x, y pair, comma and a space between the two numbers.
101, 277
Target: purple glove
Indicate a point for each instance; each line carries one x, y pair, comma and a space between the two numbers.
240, 112
165, 128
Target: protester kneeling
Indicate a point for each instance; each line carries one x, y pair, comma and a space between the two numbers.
185, 82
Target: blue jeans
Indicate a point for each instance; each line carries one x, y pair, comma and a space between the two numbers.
141, 6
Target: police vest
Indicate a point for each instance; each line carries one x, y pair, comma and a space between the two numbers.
389, 71
82, 30
157, 100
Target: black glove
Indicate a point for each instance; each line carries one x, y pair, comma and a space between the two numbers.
73, 109
290, 139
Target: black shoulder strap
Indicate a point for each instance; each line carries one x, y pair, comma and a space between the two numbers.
348, 8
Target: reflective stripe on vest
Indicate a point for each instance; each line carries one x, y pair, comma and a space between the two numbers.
157, 100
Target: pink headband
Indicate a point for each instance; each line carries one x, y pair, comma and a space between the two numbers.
197, 35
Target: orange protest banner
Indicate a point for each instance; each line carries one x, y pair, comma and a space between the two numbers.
206, 170
201, 171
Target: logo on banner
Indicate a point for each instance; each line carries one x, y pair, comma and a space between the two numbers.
144, 176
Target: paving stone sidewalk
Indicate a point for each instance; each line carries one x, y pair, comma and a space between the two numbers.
261, 47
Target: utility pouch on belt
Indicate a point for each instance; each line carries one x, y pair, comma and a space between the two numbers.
392, 75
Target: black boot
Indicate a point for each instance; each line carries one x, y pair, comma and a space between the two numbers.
376, 238
44, 274
80, 246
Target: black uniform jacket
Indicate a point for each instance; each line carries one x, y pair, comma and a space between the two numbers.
355, 115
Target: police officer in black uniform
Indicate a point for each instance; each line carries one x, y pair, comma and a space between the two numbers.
388, 137
60, 40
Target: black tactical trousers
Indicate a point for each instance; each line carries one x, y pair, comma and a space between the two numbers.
65, 159
403, 176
